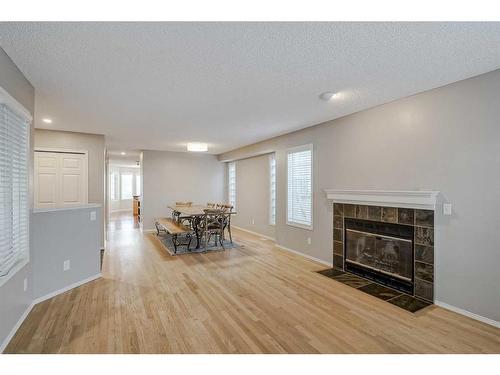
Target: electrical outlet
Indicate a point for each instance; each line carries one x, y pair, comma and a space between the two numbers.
66, 265
447, 209
25, 285
92, 215
308, 240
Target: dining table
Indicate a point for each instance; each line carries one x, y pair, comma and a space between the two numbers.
194, 214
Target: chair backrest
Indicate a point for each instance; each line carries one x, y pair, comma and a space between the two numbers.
214, 217
184, 204
210, 205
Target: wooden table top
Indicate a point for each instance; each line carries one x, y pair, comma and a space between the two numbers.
193, 210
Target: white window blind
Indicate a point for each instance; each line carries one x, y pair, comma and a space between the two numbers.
137, 184
299, 198
14, 158
272, 187
113, 186
126, 185
231, 188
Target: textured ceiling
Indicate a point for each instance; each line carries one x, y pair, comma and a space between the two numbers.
161, 85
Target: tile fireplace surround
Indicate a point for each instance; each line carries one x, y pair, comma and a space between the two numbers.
413, 208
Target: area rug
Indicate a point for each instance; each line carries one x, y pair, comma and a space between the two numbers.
166, 241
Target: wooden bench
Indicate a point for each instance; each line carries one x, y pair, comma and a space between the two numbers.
170, 226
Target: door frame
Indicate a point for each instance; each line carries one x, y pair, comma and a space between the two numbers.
85, 154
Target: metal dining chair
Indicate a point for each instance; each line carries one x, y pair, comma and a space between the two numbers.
213, 226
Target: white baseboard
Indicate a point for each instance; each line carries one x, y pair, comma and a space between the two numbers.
330, 264
16, 327
469, 314
41, 299
66, 288
254, 233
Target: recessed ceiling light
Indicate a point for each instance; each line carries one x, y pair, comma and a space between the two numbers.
328, 95
197, 147
47, 120
123, 153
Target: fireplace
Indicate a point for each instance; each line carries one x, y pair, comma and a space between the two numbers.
386, 236
380, 251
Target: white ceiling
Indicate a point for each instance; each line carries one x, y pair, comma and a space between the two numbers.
161, 85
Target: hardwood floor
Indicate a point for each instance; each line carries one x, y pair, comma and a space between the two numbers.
253, 299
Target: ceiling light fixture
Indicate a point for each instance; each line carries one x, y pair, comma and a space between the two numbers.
47, 120
197, 147
328, 95
123, 153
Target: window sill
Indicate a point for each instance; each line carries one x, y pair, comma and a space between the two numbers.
298, 225
13, 271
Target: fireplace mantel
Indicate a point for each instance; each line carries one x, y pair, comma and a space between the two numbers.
420, 199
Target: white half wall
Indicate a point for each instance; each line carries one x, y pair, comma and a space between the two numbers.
61, 235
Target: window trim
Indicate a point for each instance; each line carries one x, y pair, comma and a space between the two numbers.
14, 105
272, 157
307, 147
232, 163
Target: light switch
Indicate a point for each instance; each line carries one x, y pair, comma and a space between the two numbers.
92, 215
308, 240
25, 285
447, 209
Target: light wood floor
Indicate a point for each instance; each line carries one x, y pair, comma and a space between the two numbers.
254, 299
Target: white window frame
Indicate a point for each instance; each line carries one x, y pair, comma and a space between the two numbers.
308, 147
229, 195
15, 106
272, 192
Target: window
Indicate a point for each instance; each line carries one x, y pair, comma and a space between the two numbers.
137, 184
113, 182
272, 187
231, 189
14, 157
299, 198
126, 185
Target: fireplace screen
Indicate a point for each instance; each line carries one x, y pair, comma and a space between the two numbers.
389, 255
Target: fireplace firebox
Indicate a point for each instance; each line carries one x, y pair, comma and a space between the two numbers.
383, 252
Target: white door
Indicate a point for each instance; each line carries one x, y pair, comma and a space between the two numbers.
60, 179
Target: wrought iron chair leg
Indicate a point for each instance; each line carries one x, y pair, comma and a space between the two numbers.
174, 240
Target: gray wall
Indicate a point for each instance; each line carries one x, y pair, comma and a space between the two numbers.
252, 195
447, 139
168, 177
61, 235
13, 299
95, 145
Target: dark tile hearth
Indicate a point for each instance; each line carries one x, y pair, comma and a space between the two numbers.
331, 272
380, 291
409, 303
395, 297
351, 280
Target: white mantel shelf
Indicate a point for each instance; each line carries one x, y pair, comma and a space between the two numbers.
422, 199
